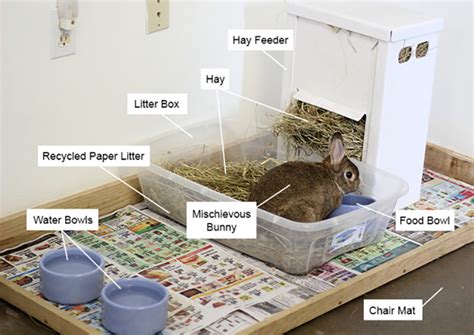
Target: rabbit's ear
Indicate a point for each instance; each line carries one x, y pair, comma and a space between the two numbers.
336, 149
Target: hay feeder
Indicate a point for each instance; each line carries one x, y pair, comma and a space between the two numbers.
365, 70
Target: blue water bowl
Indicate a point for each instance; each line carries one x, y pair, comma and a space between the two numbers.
349, 204
71, 281
140, 306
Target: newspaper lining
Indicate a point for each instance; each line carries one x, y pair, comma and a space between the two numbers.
214, 289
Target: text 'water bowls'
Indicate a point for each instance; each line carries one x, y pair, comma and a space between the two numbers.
140, 306
73, 280
349, 204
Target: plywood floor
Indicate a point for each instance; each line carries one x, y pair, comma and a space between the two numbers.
450, 312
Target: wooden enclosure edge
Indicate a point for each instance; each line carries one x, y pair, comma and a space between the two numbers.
112, 196
449, 163
363, 283
42, 310
107, 198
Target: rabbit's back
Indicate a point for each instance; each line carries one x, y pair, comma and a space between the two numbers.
312, 194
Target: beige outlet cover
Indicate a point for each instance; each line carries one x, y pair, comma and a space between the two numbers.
158, 15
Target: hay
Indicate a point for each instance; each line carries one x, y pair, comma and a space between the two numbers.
313, 136
237, 183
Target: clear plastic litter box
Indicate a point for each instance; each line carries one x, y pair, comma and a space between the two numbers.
293, 247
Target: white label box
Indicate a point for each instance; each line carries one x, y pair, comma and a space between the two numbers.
260, 39
424, 220
157, 103
93, 155
347, 237
393, 310
62, 219
215, 79
226, 220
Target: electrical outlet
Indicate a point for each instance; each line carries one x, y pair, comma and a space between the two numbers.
61, 43
158, 15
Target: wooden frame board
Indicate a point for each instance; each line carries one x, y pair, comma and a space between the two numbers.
449, 163
112, 196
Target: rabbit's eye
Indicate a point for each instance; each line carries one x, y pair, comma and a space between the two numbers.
348, 174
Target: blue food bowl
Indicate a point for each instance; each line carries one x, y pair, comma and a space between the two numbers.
140, 306
71, 281
349, 204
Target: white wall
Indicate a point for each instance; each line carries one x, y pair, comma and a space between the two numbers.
452, 117
81, 99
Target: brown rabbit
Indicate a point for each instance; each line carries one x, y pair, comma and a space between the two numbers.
315, 188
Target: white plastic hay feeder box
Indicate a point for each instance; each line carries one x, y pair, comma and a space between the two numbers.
373, 59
